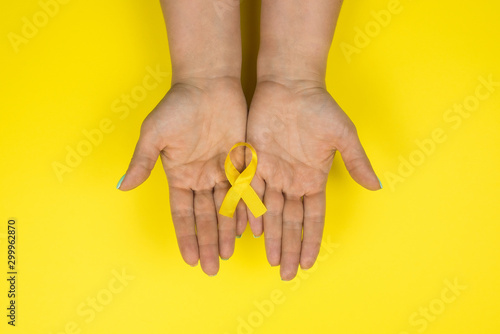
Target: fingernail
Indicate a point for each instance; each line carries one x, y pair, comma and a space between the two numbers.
223, 259
380, 183
238, 236
193, 265
212, 275
120, 182
256, 236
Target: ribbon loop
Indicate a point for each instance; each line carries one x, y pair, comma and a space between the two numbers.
240, 186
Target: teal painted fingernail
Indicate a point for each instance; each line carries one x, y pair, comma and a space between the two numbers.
238, 236
256, 236
223, 259
379, 182
120, 182
212, 275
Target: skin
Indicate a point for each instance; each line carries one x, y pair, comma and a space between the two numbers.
296, 128
293, 123
202, 116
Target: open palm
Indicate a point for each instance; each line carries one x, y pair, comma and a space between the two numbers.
296, 132
192, 129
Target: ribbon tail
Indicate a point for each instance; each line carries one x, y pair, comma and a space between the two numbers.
253, 202
229, 205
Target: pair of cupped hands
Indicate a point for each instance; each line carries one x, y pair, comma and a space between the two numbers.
295, 126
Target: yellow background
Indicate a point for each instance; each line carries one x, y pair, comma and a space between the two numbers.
389, 254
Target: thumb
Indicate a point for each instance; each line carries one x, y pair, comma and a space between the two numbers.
144, 159
357, 162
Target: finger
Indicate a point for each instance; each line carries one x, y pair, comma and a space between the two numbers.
143, 161
226, 225
272, 220
181, 207
206, 228
293, 215
241, 219
357, 162
256, 222
314, 223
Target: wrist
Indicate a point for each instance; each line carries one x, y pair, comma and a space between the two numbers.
295, 38
202, 42
220, 84
205, 71
290, 76
291, 67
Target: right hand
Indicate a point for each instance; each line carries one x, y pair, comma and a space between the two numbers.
192, 129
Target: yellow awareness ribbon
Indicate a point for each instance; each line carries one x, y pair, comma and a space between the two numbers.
241, 186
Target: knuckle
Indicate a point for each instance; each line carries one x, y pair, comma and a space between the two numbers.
178, 214
272, 212
205, 217
315, 218
290, 224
